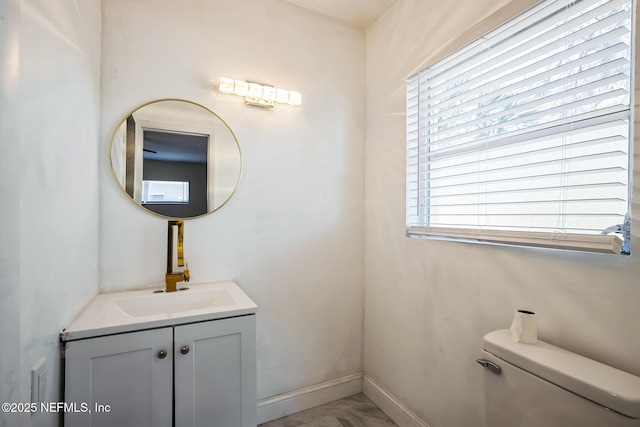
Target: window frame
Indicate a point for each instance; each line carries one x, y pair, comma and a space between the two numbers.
557, 240
185, 191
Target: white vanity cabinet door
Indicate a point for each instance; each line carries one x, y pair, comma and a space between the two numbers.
215, 378
122, 371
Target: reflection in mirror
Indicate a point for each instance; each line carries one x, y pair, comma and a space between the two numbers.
176, 158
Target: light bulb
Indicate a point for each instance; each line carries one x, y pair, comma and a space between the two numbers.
241, 88
295, 98
226, 85
255, 90
282, 96
268, 93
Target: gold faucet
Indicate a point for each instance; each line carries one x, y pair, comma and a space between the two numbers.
171, 277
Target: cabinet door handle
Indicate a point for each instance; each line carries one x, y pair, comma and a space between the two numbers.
184, 349
162, 354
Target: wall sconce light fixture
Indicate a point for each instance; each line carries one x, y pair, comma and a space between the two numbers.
261, 95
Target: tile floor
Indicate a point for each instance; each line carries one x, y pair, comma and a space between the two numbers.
354, 411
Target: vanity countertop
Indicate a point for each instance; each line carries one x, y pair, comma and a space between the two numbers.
118, 312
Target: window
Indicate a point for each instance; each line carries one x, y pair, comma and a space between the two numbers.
166, 192
523, 137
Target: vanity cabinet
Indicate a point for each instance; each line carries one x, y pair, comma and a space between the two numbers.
189, 375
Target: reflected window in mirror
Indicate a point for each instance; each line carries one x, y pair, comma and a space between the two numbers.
165, 192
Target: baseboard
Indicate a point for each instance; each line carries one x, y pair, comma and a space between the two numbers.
285, 404
391, 406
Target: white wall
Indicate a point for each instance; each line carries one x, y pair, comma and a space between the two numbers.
292, 234
446, 296
50, 100
10, 212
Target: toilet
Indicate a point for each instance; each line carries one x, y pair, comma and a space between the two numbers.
541, 385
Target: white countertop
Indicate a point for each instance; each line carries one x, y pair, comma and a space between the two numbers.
128, 311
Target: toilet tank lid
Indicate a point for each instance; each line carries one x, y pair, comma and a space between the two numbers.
603, 384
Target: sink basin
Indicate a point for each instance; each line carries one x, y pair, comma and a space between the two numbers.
174, 302
130, 311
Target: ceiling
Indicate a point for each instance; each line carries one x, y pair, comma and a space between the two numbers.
175, 146
360, 13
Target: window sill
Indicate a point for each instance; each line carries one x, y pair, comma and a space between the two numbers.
607, 244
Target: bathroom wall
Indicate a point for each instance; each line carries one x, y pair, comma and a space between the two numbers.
292, 235
10, 212
49, 174
429, 303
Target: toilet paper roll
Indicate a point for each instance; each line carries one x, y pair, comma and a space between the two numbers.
524, 327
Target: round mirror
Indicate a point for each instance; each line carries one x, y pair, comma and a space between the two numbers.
176, 158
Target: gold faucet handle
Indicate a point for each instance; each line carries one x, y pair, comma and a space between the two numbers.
186, 273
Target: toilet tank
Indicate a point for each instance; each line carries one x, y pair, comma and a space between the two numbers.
541, 385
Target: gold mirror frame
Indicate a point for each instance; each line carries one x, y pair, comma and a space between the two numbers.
125, 158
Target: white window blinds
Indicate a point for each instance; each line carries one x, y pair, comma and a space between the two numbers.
165, 192
523, 136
